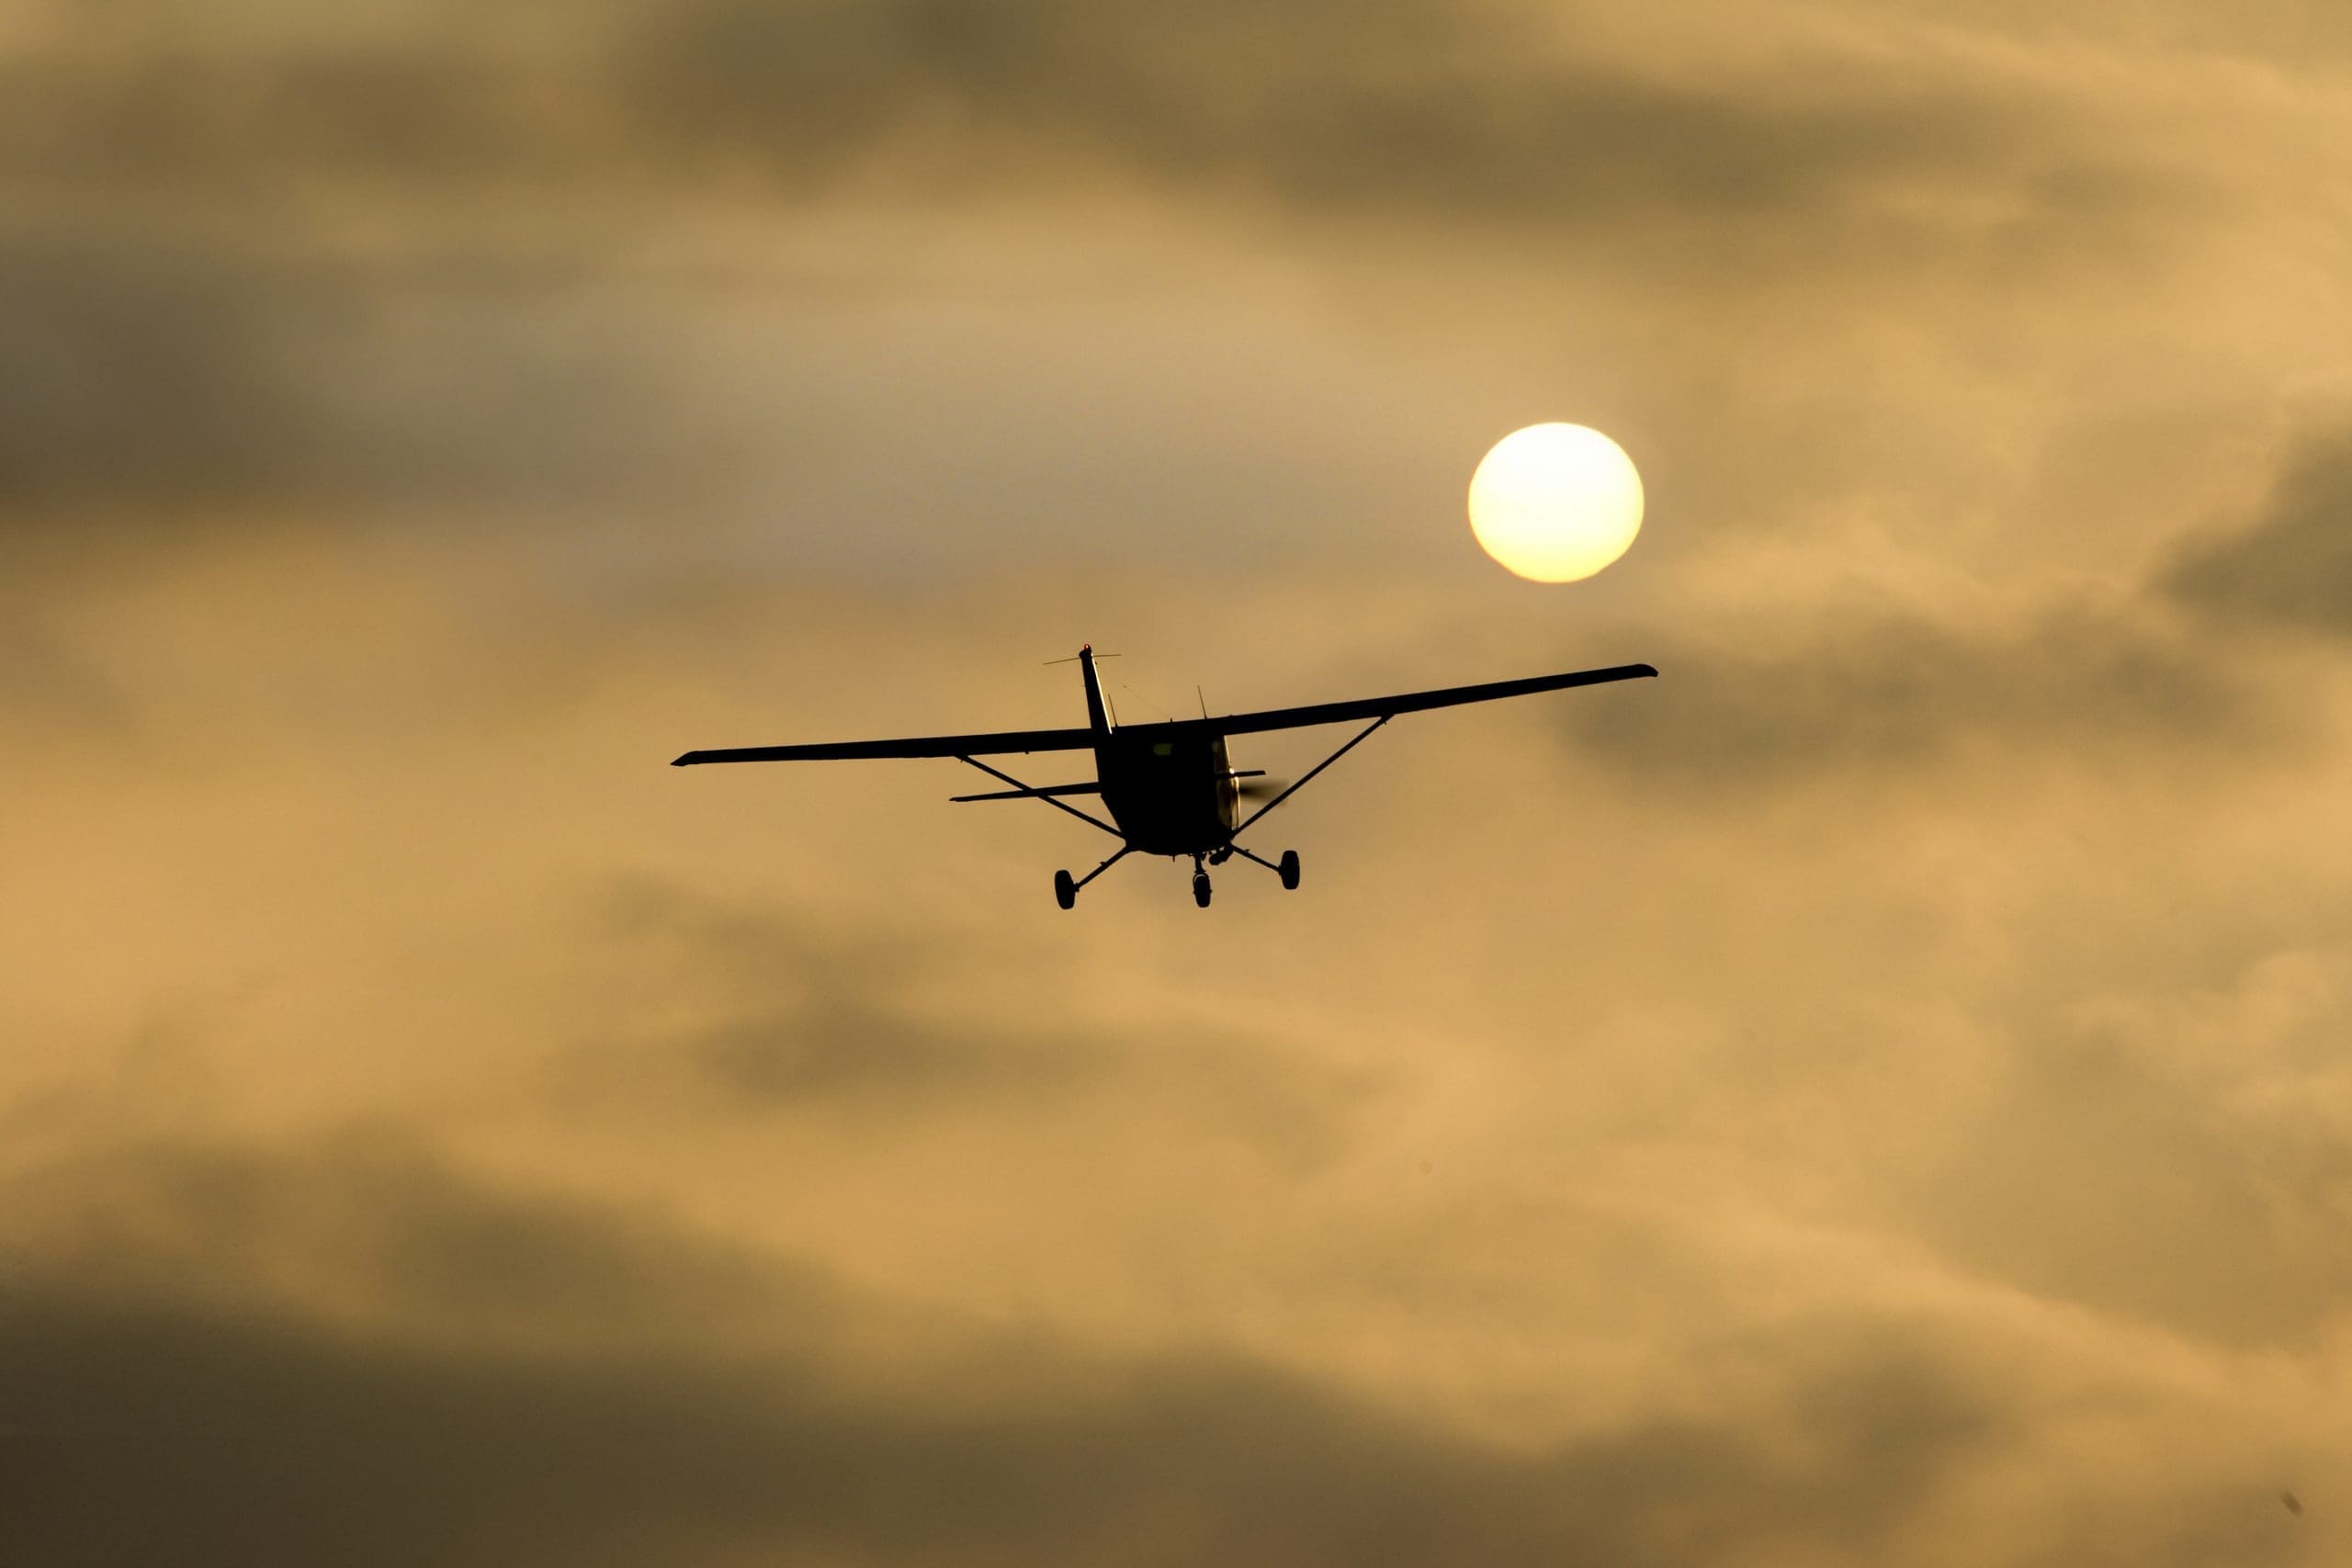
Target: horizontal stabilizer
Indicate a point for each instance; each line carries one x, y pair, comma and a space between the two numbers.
1025, 794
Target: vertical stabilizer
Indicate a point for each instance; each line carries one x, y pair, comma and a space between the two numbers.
1098, 718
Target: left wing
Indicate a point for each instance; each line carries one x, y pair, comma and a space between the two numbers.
1403, 702
993, 745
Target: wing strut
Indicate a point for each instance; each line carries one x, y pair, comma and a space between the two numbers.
1362, 735
1056, 804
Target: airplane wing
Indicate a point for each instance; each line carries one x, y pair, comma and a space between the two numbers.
1403, 702
1231, 724
913, 746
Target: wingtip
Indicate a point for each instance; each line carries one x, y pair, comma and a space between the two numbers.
683, 759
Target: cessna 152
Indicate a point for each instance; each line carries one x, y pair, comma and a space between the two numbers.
1168, 786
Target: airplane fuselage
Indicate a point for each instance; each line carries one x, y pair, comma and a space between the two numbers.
1171, 792
1169, 796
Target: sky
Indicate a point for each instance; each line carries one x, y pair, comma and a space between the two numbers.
1877, 1094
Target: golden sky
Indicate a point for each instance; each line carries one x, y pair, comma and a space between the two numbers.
1878, 1095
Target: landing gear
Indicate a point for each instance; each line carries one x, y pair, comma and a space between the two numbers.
1287, 869
1200, 883
1066, 887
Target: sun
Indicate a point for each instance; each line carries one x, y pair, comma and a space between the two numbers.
1556, 502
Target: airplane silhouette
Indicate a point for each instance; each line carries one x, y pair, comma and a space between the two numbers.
1168, 786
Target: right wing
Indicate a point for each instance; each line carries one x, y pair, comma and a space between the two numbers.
913, 746
1403, 702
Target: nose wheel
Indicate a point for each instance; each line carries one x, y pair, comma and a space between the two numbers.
1199, 886
1065, 890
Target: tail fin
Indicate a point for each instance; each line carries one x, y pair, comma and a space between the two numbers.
1098, 718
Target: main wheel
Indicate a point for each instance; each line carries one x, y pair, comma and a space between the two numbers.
1201, 888
1065, 890
1289, 868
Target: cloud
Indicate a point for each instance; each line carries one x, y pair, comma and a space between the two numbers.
1769, 703
2291, 566
145, 379
425, 265
181, 382
45, 681
1619, 1174
2097, 1176
363, 1227
1415, 110
242, 1439
788, 1017
165, 1393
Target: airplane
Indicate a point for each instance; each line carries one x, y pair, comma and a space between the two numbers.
1168, 787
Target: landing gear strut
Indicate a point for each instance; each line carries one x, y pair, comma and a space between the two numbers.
1287, 869
1066, 887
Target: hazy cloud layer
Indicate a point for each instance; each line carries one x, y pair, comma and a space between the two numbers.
1432, 112
221, 1439
141, 1418
423, 264
1876, 1095
820, 1193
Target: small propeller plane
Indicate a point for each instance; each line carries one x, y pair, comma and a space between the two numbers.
1168, 786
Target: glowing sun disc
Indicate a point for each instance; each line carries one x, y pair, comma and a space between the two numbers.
1556, 502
